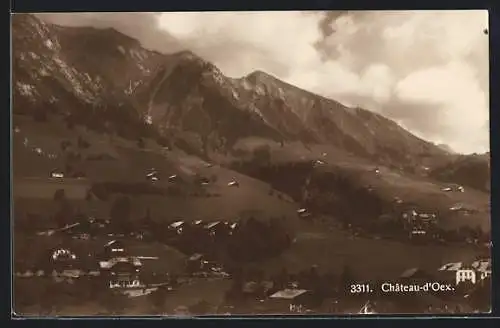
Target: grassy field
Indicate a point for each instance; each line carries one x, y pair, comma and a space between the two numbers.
315, 244
413, 188
332, 249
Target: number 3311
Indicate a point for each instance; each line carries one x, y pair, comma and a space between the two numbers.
360, 288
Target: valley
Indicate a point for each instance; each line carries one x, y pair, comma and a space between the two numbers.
269, 183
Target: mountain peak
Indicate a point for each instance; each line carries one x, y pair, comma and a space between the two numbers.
260, 76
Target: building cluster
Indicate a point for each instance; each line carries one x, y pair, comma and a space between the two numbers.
112, 265
197, 227
419, 225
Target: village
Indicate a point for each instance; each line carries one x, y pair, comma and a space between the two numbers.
95, 253
112, 267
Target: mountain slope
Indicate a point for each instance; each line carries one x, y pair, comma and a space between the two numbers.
106, 73
469, 170
189, 88
72, 72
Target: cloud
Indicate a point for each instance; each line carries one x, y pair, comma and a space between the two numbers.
427, 70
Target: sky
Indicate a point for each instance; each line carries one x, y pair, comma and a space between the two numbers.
426, 70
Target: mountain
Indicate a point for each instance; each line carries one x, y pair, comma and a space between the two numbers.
446, 148
105, 112
188, 88
181, 94
82, 74
469, 170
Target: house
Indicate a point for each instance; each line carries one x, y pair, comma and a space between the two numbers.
121, 266
233, 183
214, 228
194, 263
292, 301
459, 271
177, 226
418, 234
114, 248
319, 162
197, 264
303, 213
483, 268
63, 259
232, 227
56, 174
203, 180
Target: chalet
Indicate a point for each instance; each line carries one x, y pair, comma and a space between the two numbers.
63, 259
114, 248
217, 227
197, 223
398, 200
57, 174
456, 207
121, 266
203, 180
198, 264
319, 162
292, 301
233, 183
177, 226
195, 263
231, 227
303, 213
475, 271
417, 234
482, 267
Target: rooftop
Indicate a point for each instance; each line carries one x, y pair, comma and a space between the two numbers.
212, 224
177, 224
288, 294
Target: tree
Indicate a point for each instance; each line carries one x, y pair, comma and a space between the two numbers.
59, 195
262, 155
64, 214
82, 143
140, 143
121, 211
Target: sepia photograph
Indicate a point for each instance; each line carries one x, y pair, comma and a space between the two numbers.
258, 163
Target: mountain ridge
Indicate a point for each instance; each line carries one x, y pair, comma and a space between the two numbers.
171, 92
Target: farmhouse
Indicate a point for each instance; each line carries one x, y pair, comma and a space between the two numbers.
479, 270
57, 174
177, 226
292, 301
233, 183
114, 248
